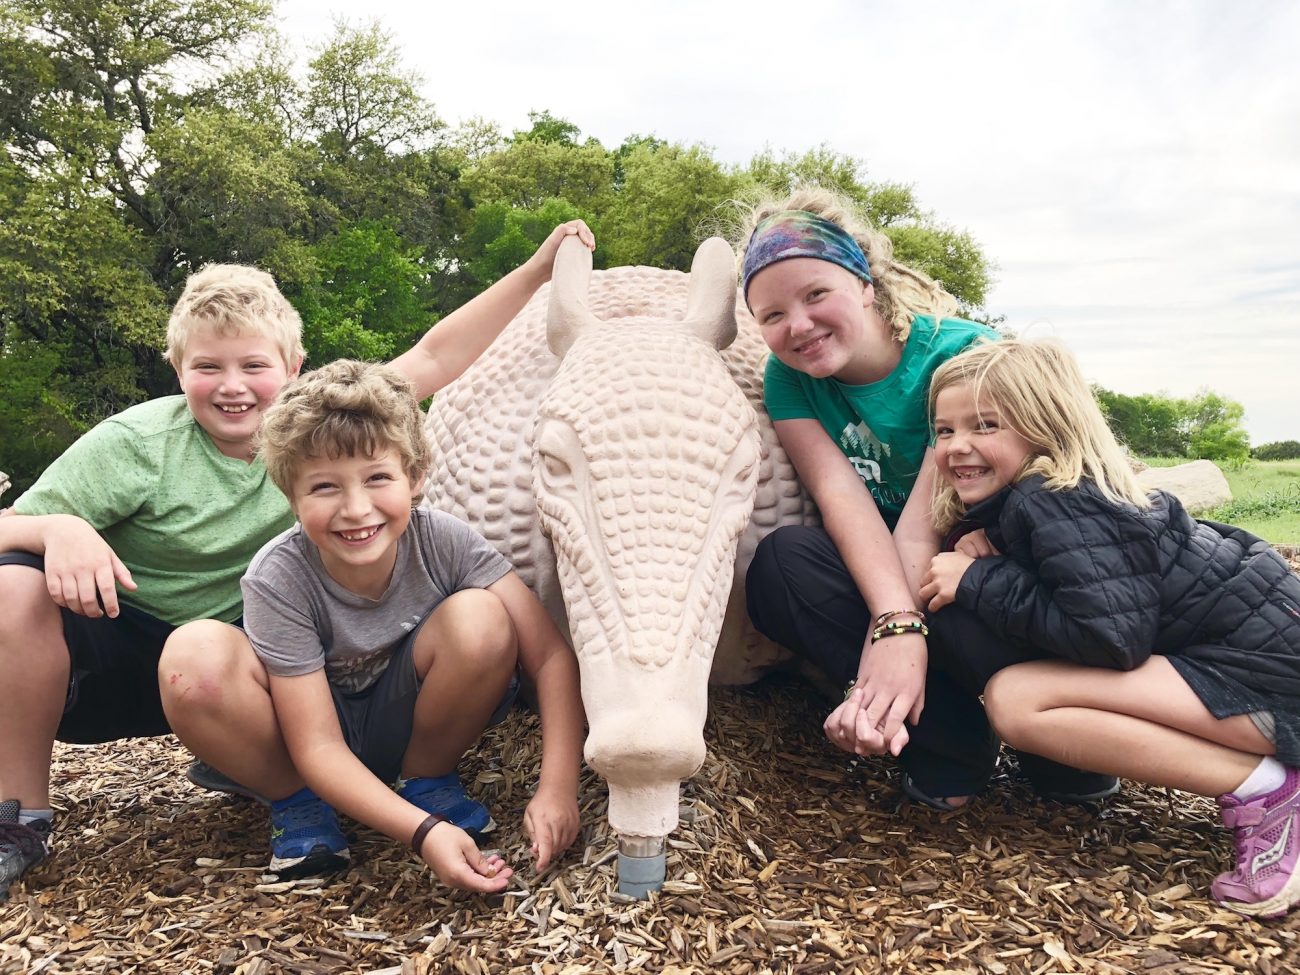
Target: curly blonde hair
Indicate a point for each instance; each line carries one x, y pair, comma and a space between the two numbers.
346, 408
902, 292
234, 299
1040, 393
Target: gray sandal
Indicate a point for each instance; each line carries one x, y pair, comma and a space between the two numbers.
912, 791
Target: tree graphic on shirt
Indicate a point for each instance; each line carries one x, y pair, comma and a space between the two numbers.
865, 451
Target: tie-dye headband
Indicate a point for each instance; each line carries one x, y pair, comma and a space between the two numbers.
798, 233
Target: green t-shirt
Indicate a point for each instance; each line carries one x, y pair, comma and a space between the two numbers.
881, 427
183, 517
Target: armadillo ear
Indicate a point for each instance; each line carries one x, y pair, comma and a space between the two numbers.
711, 302
568, 314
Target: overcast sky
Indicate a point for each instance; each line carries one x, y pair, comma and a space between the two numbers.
1133, 168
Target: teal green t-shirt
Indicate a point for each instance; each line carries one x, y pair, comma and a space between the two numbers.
183, 517
881, 427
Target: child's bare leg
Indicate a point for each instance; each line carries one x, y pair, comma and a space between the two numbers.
465, 654
1145, 724
217, 698
34, 667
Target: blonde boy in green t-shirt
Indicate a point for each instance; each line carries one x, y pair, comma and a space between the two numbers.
149, 520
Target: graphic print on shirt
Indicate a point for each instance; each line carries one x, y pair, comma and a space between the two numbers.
866, 452
352, 675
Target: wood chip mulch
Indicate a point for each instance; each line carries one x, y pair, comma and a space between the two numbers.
788, 859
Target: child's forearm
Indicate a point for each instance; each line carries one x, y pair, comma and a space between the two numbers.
915, 538
563, 722
455, 342
29, 533
451, 346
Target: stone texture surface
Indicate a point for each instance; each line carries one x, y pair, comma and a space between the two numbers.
1199, 485
629, 483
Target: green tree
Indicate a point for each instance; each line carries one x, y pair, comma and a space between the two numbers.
371, 299
359, 99
232, 190
1277, 450
36, 422
1149, 425
1156, 425
84, 84
501, 237
526, 173
72, 285
1215, 430
549, 128
667, 193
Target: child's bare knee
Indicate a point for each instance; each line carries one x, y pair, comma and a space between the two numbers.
198, 663
476, 625
28, 606
1009, 702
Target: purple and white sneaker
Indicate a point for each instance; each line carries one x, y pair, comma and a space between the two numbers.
1266, 879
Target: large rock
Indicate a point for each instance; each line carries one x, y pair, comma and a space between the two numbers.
1199, 485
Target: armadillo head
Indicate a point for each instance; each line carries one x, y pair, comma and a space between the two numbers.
645, 468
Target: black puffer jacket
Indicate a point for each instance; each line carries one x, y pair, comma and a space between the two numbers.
1100, 584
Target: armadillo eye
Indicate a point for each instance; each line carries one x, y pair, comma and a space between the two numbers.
554, 466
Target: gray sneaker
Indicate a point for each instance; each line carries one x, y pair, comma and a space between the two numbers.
21, 846
209, 777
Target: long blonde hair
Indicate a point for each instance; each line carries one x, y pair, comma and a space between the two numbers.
902, 292
1041, 394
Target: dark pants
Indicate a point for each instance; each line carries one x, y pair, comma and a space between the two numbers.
800, 594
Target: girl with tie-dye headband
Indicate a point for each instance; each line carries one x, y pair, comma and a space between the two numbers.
855, 337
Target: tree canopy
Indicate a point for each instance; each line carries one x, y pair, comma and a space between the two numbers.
1207, 426
147, 139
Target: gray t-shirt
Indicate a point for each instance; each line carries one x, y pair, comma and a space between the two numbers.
298, 619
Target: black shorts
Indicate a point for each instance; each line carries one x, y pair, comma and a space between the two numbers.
377, 722
113, 672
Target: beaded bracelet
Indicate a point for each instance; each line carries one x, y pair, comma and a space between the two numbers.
898, 629
886, 617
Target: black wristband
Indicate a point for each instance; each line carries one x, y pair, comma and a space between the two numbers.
421, 831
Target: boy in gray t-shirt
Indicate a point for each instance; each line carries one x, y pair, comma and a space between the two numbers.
388, 637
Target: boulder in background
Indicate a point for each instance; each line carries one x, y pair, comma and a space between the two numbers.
1199, 485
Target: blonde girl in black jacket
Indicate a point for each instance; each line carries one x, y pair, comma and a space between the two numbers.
1168, 648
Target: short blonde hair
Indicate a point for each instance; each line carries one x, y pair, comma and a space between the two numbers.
234, 299
346, 408
1038, 389
902, 292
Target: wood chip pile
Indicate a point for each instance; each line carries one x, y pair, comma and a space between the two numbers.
789, 859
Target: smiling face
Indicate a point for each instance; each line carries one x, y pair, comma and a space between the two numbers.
819, 318
977, 452
228, 381
355, 509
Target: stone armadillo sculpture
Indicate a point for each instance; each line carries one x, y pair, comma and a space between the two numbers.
617, 452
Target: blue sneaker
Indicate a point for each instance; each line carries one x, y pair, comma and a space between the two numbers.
445, 796
305, 837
